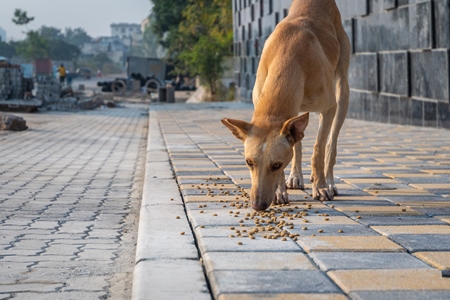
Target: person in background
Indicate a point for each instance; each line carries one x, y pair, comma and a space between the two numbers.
62, 74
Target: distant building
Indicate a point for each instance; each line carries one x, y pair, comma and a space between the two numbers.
112, 46
2, 35
125, 31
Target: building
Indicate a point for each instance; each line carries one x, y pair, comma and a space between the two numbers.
400, 65
125, 31
2, 35
112, 46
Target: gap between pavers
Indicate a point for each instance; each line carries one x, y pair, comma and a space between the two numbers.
167, 262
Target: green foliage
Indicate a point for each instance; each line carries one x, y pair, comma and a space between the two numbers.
197, 35
34, 46
77, 36
60, 50
21, 17
50, 33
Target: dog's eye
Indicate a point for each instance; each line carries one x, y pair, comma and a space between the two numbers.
276, 166
249, 163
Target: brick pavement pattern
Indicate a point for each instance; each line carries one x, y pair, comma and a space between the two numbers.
70, 186
386, 236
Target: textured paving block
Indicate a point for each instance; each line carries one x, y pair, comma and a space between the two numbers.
239, 261
348, 243
418, 229
410, 295
283, 296
404, 220
392, 210
423, 242
169, 279
259, 244
440, 260
294, 281
389, 280
366, 260
333, 230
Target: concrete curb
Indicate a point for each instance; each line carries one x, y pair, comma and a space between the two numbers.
167, 262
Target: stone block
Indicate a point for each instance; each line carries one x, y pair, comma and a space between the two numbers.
410, 295
12, 122
262, 261
441, 23
444, 115
389, 280
366, 260
352, 8
348, 244
430, 74
423, 242
389, 4
169, 279
363, 72
424, 29
259, 244
394, 73
293, 281
430, 114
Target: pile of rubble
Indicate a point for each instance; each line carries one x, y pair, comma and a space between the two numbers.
11, 82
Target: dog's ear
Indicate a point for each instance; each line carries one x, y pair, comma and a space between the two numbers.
240, 129
294, 128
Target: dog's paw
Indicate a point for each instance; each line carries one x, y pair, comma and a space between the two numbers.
332, 190
322, 194
295, 182
281, 196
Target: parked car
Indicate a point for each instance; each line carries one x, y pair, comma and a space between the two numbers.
84, 73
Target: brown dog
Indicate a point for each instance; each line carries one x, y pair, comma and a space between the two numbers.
303, 67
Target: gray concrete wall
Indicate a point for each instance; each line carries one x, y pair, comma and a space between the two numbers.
400, 67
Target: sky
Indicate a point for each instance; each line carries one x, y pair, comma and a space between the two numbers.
95, 16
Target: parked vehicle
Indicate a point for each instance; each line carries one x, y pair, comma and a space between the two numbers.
84, 72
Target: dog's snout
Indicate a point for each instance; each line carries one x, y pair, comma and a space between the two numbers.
260, 206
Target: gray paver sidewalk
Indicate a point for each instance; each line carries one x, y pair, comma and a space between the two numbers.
386, 236
70, 189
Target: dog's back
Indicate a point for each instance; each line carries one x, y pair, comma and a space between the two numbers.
299, 59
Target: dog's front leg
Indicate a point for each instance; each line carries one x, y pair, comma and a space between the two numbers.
295, 179
281, 195
319, 185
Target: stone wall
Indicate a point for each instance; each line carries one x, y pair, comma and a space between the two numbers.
400, 67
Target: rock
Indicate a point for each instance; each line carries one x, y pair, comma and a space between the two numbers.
12, 122
109, 103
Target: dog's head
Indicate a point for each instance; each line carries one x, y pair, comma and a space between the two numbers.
268, 150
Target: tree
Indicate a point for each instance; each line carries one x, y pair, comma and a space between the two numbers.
60, 50
77, 36
50, 33
34, 46
21, 17
197, 35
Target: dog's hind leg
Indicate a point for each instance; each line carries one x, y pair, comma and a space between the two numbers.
342, 91
295, 179
319, 184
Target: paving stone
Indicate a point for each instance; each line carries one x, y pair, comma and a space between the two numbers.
392, 210
418, 229
170, 279
389, 280
348, 243
411, 295
30, 287
220, 261
440, 260
329, 261
333, 230
283, 296
423, 242
259, 244
60, 295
